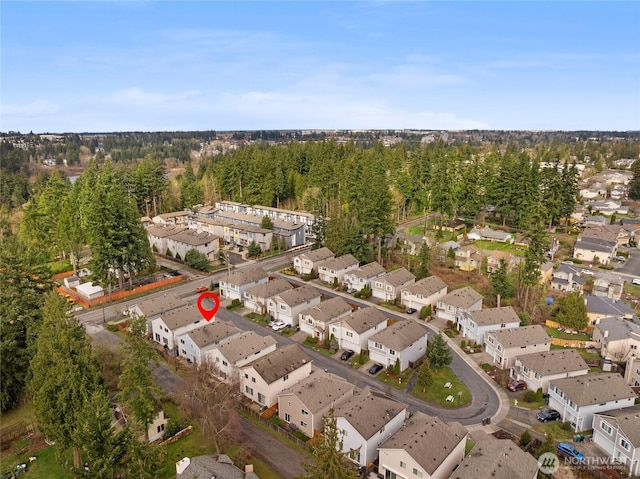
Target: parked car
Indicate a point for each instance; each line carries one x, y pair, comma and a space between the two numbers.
548, 415
570, 451
411, 310
635, 281
518, 385
201, 289
278, 325
376, 368
347, 354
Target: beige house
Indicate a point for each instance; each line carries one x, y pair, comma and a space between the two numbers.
404, 342
193, 345
166, 329
234, 285
537, 369
263, 379
618, 434
505, 345
287, 306
354, 331
468, 258
388, 287
422, 293
315, 320
154, 308
475, 324
334, 269
425, 447
617, 339
632, 372
363, 276
305, 262
305, 404
227, 358
255, 298
455, 302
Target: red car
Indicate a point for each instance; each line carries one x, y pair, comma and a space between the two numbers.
517, 385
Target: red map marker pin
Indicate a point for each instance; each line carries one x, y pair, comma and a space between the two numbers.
208, 314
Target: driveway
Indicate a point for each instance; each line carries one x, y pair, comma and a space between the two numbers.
631, 267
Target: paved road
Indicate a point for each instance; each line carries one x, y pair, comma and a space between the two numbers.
631, 268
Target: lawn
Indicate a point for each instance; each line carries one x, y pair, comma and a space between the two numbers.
584, 353
398, 382
437, 394
497, 246
555, 431
555, 333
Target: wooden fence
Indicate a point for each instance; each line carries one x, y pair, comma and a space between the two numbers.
283, 432
184, 432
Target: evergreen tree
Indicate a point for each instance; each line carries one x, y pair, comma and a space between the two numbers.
331, 462
197, 259
254, 249
500, 282
572, 311
425, 376
424, 261
438, 353
266, 223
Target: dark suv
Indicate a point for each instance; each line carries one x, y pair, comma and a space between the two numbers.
548, 415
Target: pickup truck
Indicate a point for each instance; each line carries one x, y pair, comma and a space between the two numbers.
201, 289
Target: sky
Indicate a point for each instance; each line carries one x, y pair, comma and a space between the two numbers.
209, 65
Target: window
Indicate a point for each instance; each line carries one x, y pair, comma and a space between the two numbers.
165, 340
246, 376
304, 413
303, 424
419, 296
287, 417
503, 325
161, 428
224, 363
283, 307
625, 445
605, 427
157, 337
182, 341
381, 430
349, 334
261, 398
248, 390
253, 380
392, 352
417, 473
377, 345
403, 465
286, 376
378, 284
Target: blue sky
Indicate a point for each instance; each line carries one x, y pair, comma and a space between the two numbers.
118, 66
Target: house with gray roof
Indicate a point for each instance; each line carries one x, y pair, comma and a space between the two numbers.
404, 341
292, 233
228, 357
367, 420
599, 307
173, 218
577, 399
618, 434
166, 328
568, 278
505, 345
451, 306
363, 276
288, 305
538, 369
388, 286
487, 233
193, 345
314, 321
354, 331
475, 324
255, 298
304, 263
305, 404
423, 293
153, 308
187, 239
497, 459
425, 445
334, 269
264, 378
617, 339
212, 466
234, 285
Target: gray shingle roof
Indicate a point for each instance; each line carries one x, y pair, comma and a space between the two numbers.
426, 286
554, 362
609, 307
319, 254
522, 336
339, 263
628, 420
369, 270
177, 318
490, 316
193, 238
280, 362
618, 328
497, 459
367, 412
400, 335
269, 289
462, 298
364, 319
398, 277
208, 467
212, 333
154, 306
246, 276
328, 310
244, 346
300, 295
320, 389
427, 439
162, 231
594, 388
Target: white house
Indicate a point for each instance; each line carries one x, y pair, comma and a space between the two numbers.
577, 399
388, 287
287, 306
632, 372
334, 269
305, 404
363, 276
193, 345
90, 291
617, 339
538, 369
315, 320
154, 307
618, 434
490, 234
228, 357
475, 324
404, 341
166, 328
505, 345
354, 331
235, 284
422, 293
464, 299
367, 420
425, 447
255, 298
263, 379
497, 459
187, 239
304, 263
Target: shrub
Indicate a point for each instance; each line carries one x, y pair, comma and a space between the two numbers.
425, 311
525, 438
463, 344
449, 324
530, 396
539, 395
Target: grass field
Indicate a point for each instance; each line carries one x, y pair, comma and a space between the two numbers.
554, 333
437, 394
497, 246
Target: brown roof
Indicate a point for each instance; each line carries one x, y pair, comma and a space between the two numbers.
193, 238
462, 298
369, 270
522, 336
489, 316
398, 277
162, 231
320, 254
269, 289
153, 306
594, 388
427, 439
400, 335
280, 362
246, 276
364, 319
339, 263
328, 310
628, 421
212, 333
177, 318
300, 295
367, 412
426, 286
497, 459
554, 362
244, 346
320, 389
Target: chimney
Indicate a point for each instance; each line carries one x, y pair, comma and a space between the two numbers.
182, 464
606, 333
